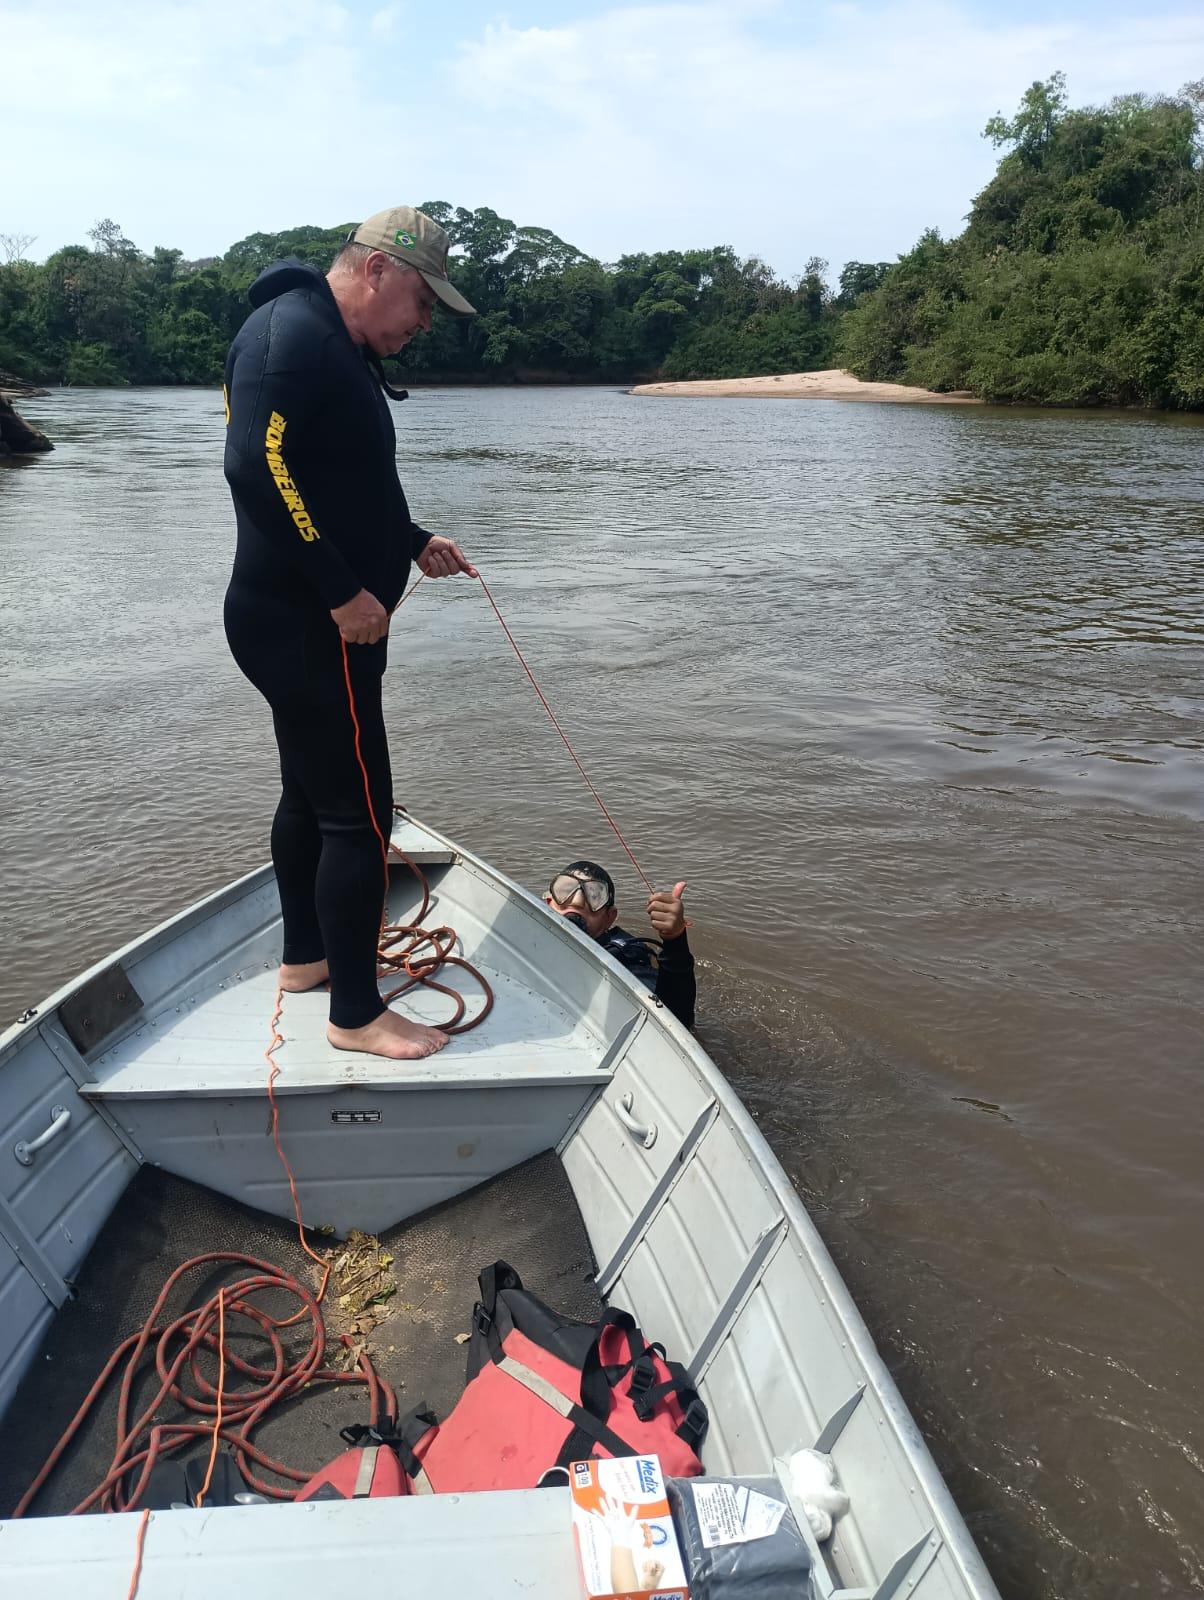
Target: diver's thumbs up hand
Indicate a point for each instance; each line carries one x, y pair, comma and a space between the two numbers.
666, 912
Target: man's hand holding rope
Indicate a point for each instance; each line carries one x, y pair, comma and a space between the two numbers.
363, 620
442, 557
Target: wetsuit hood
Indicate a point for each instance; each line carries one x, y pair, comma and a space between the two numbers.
282, 276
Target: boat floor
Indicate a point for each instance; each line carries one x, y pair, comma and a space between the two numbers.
527, 1216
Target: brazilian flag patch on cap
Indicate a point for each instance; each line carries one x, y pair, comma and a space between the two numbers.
407, 239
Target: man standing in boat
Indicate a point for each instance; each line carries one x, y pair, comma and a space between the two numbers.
585, 893
325, 542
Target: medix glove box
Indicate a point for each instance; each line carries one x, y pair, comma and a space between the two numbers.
623, 1530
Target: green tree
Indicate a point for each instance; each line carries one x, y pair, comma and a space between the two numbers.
92, 365
1078, 278
858, 278
913, 300
1033, 126
481, 234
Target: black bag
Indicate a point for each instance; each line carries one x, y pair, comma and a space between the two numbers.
712, 1514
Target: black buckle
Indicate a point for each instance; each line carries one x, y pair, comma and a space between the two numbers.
643, 1374
481, 1320
359, 1432
697, 1419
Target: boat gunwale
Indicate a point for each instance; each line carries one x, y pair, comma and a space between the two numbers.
948, 1520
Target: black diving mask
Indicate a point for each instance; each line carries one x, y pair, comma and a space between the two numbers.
565, 885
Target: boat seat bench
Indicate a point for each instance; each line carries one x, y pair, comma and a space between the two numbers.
186, 1082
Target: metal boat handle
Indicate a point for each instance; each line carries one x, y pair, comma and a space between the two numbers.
646, 1135
25, 1150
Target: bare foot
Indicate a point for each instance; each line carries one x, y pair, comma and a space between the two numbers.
389, 1035
302, 975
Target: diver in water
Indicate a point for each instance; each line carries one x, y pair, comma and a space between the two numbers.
584, 892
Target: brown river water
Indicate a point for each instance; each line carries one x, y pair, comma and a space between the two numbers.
911, 696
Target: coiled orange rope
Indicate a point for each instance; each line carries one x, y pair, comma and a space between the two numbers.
174, 1347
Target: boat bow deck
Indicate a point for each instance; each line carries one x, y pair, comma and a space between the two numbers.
214, 1044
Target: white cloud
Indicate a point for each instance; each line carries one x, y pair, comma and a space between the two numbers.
784, 130
846, 138
382, 24
192, 124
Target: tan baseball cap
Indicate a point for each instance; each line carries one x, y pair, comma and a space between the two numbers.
412, 236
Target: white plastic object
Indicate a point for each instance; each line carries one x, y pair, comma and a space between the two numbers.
813, 1480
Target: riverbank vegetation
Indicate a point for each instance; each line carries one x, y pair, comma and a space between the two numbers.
110, 314
1079, 280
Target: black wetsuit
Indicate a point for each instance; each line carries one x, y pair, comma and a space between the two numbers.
311, 463
667, 969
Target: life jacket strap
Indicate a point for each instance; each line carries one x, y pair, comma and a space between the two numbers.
366, 1472
538, 1385
596, 1432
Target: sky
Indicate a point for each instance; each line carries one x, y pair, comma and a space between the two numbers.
784, 128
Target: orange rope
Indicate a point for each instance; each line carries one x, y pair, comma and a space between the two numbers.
221, 1394
171, 1347
399, 942
359, 756
277, 1040
136, 1575
544, 702
408, 592
421, 972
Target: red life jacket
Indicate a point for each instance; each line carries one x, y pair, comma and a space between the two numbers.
357, 1475
544, 1390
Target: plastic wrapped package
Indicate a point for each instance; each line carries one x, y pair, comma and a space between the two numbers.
739, 1540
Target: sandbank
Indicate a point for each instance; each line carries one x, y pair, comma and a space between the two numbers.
832, 384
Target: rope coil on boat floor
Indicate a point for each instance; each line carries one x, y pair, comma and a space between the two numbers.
400, 943
175, 1348
400, 947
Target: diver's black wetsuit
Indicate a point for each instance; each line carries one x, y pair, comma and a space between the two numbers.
311, 463
670, 975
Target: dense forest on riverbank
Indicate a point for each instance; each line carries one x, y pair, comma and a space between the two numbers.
1079, 279
112, 315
